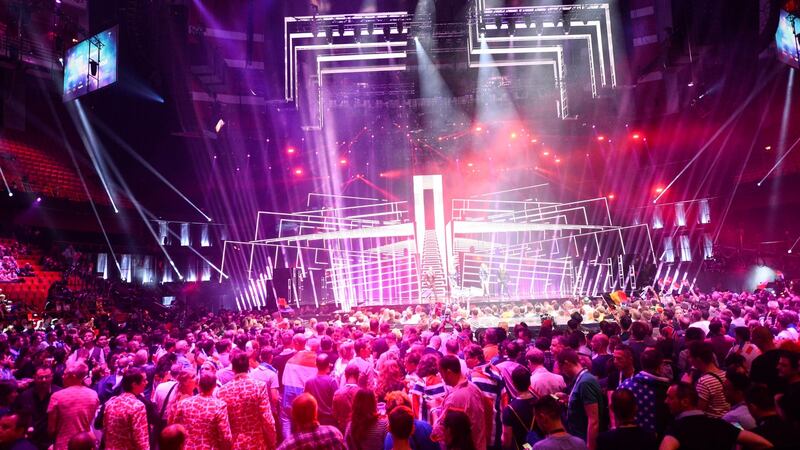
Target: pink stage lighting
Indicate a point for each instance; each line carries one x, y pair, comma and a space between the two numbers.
601, 138
291, 150
659, 190
636, 136
298, 171
343, 162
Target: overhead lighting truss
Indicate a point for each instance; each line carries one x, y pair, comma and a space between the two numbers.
380, 42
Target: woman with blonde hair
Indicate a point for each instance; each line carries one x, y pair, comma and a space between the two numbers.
187, 383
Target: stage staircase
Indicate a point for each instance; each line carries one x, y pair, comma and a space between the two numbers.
431, 259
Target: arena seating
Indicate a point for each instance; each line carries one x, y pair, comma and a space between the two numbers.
30, 169
32, 293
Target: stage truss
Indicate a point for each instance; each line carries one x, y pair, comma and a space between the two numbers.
359, 251
322, 46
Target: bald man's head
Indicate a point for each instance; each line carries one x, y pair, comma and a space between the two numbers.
304, 410
323, 363
172, 438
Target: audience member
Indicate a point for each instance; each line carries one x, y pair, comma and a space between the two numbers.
628, 434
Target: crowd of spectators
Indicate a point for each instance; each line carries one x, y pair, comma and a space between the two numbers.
10, 270
691, 371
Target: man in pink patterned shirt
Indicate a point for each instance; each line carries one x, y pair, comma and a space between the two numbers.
125, 416
205, 418
249, 412
72, 409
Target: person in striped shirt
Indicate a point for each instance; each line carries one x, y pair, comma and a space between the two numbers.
429, 392
490, 382
710, 385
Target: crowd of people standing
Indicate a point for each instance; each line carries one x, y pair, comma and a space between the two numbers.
691, 372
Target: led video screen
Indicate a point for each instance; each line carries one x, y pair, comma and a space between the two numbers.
91, 64
787, 39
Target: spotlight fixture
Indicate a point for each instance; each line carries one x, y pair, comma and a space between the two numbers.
400, 27
341, 29
528, 21
387, 30
370, 28
329, 35
539, 27
512, 26
498, 22
357, 33
314, 28
566, 23
219, 125
93, 66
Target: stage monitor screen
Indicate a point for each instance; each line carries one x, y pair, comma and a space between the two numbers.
91, 64
788, 40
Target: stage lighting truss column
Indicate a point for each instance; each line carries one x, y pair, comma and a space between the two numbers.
563, 108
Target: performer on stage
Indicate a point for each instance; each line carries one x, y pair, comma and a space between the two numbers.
484, 275
430, 282
502, 281
453, 280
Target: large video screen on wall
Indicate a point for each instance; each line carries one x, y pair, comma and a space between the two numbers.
91, 64
787, 39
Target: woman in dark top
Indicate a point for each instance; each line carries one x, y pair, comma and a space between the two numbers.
366, 431
457, 431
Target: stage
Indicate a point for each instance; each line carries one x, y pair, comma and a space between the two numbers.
375, 253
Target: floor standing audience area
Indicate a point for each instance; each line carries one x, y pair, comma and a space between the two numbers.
693, 371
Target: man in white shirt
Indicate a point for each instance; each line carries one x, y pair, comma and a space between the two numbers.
166, 391
700, 320
543, 382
